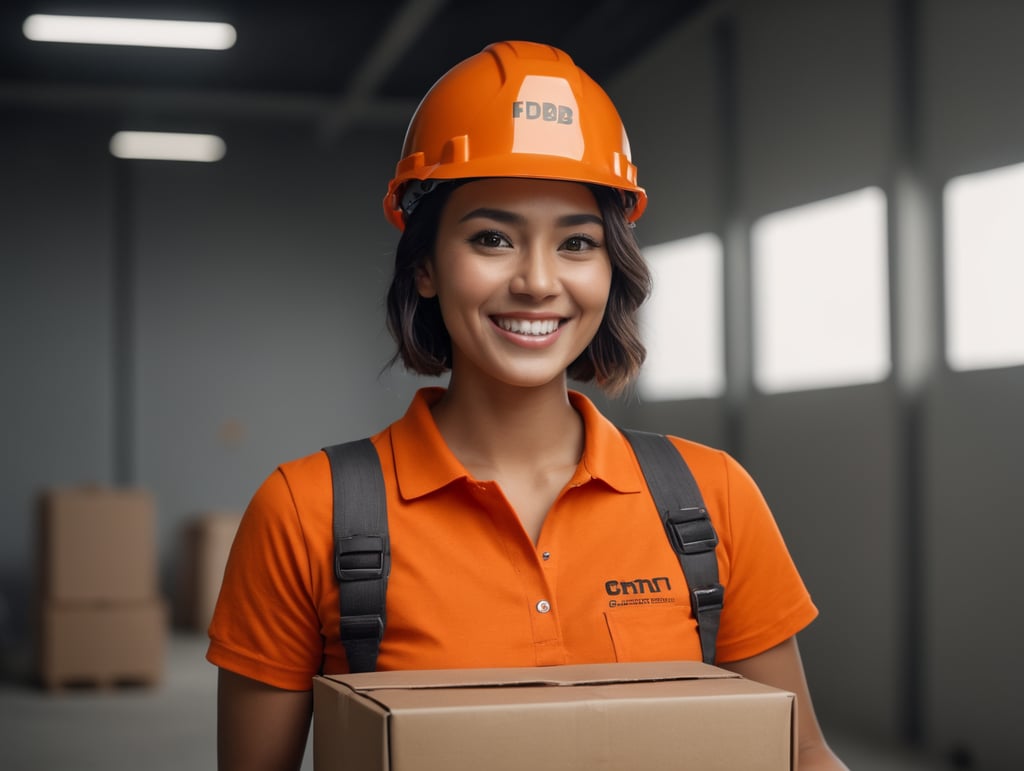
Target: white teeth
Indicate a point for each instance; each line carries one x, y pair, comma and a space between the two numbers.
525, 327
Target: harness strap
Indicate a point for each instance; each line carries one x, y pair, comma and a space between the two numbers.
689, 529
362, 549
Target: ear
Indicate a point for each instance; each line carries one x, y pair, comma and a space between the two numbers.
425, 280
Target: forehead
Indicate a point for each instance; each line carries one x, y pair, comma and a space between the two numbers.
526, 196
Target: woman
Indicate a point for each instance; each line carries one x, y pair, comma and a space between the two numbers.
515, 509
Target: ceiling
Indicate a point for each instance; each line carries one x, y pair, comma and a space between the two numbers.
334, 63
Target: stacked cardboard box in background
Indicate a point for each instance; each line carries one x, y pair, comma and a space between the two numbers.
207, 542
101, 619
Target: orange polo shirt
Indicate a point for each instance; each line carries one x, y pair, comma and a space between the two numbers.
469, 588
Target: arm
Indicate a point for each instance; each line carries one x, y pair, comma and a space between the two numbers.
259, 726
781, 667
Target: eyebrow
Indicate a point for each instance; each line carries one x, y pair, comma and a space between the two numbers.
511, 218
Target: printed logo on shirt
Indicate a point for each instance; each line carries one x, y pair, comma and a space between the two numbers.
628, 591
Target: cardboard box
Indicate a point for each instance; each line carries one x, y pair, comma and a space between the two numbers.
207, 543
100, 644
614, 717
97, 544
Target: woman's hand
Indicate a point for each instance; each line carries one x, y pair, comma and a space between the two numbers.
782, 667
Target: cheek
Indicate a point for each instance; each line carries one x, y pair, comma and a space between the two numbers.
597, 289
467, 283
460, 295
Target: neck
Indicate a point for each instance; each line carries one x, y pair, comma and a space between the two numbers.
493, 429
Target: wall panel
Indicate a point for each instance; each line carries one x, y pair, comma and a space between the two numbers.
260, 320
56, 326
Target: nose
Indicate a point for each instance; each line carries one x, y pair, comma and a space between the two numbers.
536, 273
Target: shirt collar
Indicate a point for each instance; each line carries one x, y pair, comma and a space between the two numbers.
423, 462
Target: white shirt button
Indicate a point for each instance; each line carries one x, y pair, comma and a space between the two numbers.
543, 606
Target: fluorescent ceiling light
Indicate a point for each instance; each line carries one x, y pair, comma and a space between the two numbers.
129, 32
163, 146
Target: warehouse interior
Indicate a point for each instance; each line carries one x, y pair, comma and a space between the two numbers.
181, 328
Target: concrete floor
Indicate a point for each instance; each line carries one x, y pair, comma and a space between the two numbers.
173, 725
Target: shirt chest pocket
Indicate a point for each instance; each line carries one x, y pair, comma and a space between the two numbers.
653, 633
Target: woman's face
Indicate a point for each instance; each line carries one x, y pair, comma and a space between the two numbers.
522, 274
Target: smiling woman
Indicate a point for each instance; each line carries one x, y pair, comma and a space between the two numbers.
507, 493
522, 276
616, 352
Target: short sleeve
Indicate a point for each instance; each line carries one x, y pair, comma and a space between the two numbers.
265, 625
766, 601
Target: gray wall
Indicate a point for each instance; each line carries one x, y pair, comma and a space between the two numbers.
898, 500
56, 328
187, 327
183, 327
258, 310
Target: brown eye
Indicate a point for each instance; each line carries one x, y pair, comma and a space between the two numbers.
579, 244
490, 240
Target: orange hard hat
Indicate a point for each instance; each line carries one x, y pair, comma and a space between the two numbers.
515, 109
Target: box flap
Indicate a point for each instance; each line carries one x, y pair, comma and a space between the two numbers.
565, 675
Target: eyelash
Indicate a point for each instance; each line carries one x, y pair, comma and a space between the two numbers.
479, 239
588, 241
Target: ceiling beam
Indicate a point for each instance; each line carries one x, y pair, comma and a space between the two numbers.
360, 98
191, 104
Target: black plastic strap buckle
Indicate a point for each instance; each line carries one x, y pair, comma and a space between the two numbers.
360, 558
707, 598
691, 531
356, 628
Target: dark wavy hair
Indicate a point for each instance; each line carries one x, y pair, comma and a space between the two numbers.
613, 357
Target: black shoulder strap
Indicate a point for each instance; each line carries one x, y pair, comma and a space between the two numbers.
689, 529
362, 550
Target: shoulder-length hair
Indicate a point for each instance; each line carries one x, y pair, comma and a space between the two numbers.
613, 357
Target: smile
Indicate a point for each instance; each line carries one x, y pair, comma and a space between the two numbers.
536, 327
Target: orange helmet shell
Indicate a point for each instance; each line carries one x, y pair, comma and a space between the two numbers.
516, 109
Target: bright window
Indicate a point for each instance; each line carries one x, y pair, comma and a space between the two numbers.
984, 269
682, 321
821, 294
